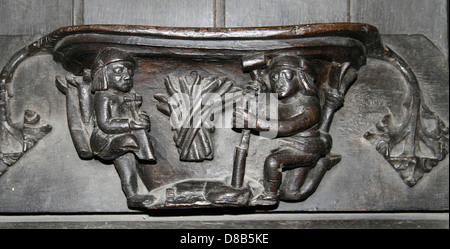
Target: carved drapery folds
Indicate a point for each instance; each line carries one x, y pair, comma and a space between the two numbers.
127, 78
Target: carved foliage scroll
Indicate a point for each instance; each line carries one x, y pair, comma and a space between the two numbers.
411, 136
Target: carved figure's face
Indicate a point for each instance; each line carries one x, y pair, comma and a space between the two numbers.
120, 76
284, 81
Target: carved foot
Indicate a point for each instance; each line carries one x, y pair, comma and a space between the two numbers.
266, 199
221, 194
140, 201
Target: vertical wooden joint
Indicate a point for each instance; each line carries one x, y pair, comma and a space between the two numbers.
219, 13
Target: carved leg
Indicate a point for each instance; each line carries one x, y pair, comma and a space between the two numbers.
126, 167
301, 183
273, 166
292, 182
284, 159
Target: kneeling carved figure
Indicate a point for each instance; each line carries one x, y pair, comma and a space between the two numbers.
303, 149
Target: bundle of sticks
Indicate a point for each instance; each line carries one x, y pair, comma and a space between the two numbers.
194, 127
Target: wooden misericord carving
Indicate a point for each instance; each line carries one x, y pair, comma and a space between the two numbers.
179, 109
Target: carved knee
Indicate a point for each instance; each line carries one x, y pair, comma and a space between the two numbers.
272, 163
272, 168
289, 195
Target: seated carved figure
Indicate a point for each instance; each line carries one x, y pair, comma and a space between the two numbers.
105, 120
302, 147
120, 130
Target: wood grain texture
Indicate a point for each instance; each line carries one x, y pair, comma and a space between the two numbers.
34, 16
175, 13
428, 17
284, 12
219, 13
263, 224
78, 12
209, 220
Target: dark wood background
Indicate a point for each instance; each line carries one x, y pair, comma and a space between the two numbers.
38, 17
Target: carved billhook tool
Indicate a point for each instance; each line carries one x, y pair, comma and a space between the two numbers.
252, 64
133, 102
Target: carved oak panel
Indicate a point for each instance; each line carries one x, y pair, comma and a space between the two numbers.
283, 118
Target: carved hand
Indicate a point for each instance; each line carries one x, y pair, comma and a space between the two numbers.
144, 118
244, 119
138, 125
256, 86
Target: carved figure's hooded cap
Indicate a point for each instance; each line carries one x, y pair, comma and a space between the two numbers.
103, 58
286, 61
110, 55
305, 73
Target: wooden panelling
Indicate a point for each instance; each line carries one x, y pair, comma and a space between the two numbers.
219, 13
287, 222
34, 16
176, 13
427, 17
284, 12
78, 12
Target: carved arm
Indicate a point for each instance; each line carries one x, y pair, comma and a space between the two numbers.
105, 120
